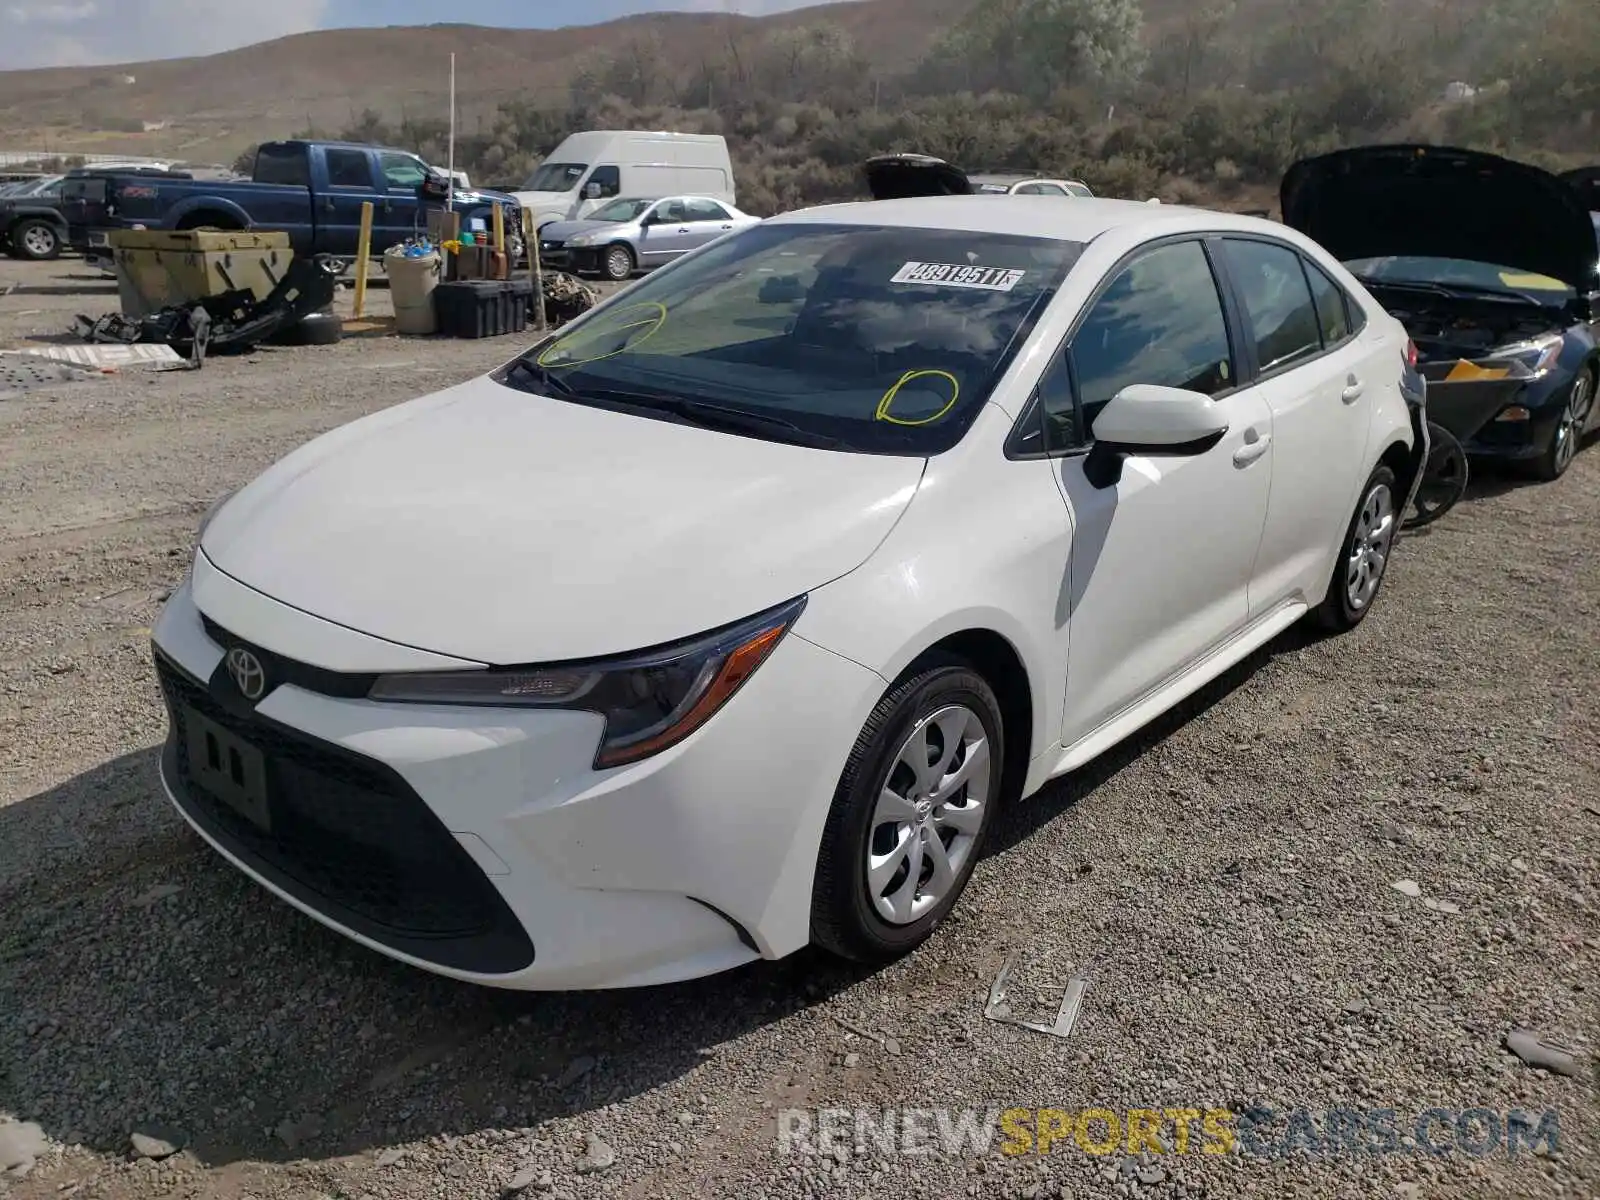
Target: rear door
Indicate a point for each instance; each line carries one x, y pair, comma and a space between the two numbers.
348, 185
1312, 370
707, 221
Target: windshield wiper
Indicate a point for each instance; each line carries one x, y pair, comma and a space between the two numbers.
725, 418
543, 376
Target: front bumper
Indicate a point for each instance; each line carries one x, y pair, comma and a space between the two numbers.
479, 843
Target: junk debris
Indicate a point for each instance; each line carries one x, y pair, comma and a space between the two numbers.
1540, 1052
233, 322
566, 297
999, 1009
108, 358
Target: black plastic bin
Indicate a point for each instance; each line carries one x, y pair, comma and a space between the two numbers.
480, 308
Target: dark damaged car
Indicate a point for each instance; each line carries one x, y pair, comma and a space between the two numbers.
1492, 265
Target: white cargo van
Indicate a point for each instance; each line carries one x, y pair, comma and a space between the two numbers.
590, 168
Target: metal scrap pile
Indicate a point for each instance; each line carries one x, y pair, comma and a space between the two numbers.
565, 297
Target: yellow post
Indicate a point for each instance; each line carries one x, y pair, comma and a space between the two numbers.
530, 239
363, 256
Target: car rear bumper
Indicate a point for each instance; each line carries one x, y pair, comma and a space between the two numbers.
480, 844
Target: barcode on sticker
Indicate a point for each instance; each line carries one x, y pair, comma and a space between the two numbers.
984, 279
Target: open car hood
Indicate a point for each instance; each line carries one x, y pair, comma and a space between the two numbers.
1441, 202
1587, 182
899, 176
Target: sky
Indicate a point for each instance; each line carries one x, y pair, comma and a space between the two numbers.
57, 33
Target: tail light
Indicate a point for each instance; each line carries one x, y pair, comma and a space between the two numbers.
1411, 354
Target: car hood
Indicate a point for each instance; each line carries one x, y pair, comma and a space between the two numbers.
899, 176
497, 526
1587, 182
1441, 202
563, 231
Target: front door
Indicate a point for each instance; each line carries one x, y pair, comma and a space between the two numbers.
398, 211
666, 235
1162, 560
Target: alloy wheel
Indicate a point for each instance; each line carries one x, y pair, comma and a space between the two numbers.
39, 241
1369, 547
1569, 430
619, 263
928, 815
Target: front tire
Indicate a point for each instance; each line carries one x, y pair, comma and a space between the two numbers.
1564, 442
1363, 557
910, 814
619, 264
35, 240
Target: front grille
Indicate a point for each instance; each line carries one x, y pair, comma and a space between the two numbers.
350, 838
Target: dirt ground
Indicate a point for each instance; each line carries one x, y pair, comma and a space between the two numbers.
1231, 878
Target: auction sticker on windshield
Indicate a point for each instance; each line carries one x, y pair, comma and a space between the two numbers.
984, 279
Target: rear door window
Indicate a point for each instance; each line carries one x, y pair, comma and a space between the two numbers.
1278, 306
349, 168
1333, 306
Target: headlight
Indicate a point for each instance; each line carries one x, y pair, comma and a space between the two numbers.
583, 239
1537, 354
650, 701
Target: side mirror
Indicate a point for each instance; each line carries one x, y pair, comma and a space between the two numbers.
1149, 420
591, 191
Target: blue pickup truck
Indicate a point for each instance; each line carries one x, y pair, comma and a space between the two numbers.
312, 190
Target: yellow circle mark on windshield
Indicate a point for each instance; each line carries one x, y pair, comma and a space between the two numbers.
653, 322
893, 394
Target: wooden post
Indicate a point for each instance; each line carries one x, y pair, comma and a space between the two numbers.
530, 239
498, 223
363, 259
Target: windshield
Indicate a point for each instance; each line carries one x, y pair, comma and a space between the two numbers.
1459, 272
620, 210
555, 177
879, 340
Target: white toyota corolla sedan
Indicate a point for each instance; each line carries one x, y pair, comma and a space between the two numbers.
724, 619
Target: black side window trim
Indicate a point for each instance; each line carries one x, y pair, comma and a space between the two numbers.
1033, 410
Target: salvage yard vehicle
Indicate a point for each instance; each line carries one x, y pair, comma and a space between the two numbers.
1001, 184
1492, 266
629, 235
312, 190
31, 224
594, 167
724, 619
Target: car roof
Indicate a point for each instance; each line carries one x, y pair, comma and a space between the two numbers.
1031, 216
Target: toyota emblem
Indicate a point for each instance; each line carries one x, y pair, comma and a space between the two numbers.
249, 676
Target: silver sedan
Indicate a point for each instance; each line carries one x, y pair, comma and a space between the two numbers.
631, 234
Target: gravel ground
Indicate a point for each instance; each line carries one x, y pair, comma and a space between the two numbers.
1231, 878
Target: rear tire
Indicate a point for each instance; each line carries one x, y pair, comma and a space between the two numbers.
1363, 556
888, 812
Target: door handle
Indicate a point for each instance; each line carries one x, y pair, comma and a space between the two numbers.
1255, 445
1353, 389
727, 227
685, 229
